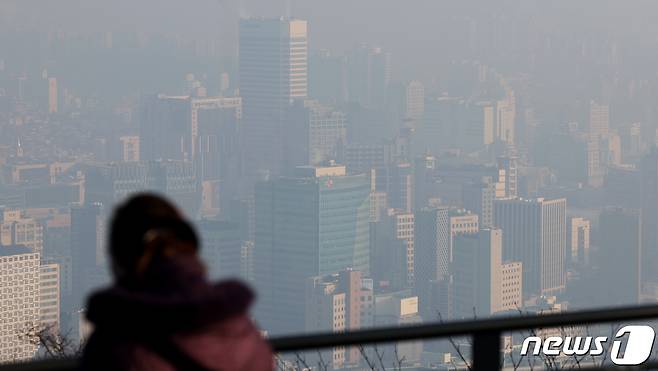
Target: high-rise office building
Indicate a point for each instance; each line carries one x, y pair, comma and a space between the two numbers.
620, 255
19, 229
186, 128
599, 120
315, 134
335, 303
224, 83
222, 249
392, 249
327, 131
369, 74
434, 234
649, 202
57, 251
49, 297
215, 123
578, 236
478, 197
477, 273
327, 77
87, 248
165, 131
361, 158
611, 154
534, 233
215, 127
506, 118
454, 123
440, 124
415, 100
511, 297
397, 180
631, 140
378, 205
595, 169
273, 63
400, 146
53, 104
19, 303
129, 148
507, 177
425, 167
314, 223
247, 260
325, 310
597, 158
623, 186
435, 229
111, 183
477, 126
397, 308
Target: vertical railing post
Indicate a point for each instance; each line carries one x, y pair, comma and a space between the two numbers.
486, 351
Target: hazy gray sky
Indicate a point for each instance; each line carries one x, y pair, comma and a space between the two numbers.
420, 28
366, 18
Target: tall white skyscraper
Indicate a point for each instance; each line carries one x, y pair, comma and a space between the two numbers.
415, 100
52, 95
511, 296
49, 297
19, 311
534, 232
273, 59
599, 120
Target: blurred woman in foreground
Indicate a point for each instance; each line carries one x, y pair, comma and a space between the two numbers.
162, 313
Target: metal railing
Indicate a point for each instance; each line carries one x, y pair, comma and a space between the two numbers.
486, 335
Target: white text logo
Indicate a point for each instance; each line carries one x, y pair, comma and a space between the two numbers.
638, 345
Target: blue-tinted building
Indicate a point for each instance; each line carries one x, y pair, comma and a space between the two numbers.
315, 223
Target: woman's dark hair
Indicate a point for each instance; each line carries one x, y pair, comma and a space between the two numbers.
140, 217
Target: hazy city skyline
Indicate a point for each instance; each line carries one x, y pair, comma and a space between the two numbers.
359, 164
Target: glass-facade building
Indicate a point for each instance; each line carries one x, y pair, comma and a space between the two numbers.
309, 225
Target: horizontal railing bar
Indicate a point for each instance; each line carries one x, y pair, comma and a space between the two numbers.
424, 331
72, 364
43, 365
461, 328
652, 365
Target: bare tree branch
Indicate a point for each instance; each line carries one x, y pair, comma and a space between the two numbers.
456, 347
50, 342
370, 364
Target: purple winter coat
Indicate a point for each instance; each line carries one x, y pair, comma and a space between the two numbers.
175, 320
